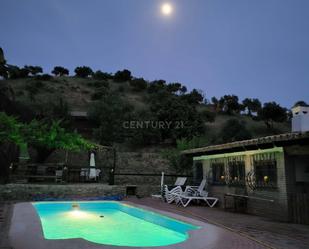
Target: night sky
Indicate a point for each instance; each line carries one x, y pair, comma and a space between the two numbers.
251, 48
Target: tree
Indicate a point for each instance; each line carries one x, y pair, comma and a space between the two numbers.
3, 69
215, 103
122, 76
60, 71
41, 135
33, 70
233, 130
138, 84
300, 103
2, 58
173, 88
99, 75
109, 114
229, 104
181, 163
186, 121
15, 72
183, 90
46, 137
146, 135
83, 71
272, 112
252, 105
194, 97
208, 116
156, 86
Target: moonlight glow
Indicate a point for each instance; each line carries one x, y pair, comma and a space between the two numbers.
166, 9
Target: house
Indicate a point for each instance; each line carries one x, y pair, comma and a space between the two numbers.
82, 123
270, 175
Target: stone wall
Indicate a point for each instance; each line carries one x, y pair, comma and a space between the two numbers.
141, 171
142, 168
131, 168
28, 192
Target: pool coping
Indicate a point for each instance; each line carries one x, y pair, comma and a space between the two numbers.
26, 232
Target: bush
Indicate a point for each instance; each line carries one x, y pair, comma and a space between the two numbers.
60, 71
122, 76
17, 73
156, 86
99, 75
34, 70
83, 72
109, 114
208, 116
179, 162
138, 84
234, 130
33, 87
98, 84
121, 89
100, 93
44, 77
272, 112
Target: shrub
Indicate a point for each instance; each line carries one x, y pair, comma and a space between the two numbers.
44, 77
156, 86
99, 94
208, 116
122, 76
121, 89
233, 130
34, 70
272, 112
83, 71
33, 87
109, 114
17, 73
60, 71
98, 84
99, 75
138, 84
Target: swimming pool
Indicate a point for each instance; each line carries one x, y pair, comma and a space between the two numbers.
110, 223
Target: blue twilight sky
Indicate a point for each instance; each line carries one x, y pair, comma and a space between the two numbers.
251, 48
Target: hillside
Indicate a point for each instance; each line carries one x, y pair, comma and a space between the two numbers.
82, 93
75, 91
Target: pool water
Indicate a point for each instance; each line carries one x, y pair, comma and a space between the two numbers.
110, 223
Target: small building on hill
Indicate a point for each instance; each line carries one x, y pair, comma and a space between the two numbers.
269, 176
80, 120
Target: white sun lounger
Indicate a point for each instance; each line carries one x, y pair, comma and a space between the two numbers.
194, 193
180, 181
171, 195
185, 200
168, 194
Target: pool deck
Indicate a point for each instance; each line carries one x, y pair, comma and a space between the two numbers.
266, 232
220, 230
26, 233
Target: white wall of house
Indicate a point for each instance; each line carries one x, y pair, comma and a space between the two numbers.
300, 120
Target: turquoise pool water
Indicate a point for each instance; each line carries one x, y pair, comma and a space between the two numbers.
110, 223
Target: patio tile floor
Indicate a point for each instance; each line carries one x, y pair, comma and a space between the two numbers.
267, 233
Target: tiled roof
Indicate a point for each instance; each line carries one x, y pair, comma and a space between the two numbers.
275, 140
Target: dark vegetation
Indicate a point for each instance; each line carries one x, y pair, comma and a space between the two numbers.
116, 99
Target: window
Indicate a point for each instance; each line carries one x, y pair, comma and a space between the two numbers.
218, 173
266, 173
237, 173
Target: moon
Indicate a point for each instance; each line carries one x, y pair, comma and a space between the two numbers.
166, 9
